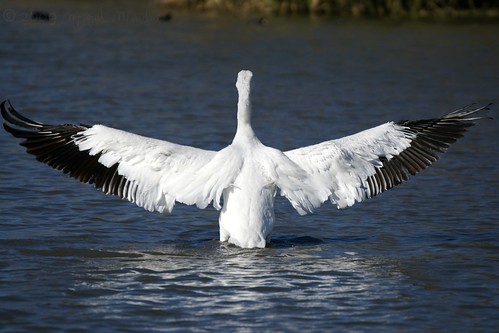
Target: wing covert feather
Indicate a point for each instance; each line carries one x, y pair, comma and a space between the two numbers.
150, 172
362, 165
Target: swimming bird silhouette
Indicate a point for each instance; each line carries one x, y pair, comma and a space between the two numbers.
155, 174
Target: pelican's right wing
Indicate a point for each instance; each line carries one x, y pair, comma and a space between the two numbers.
362, 165
149, 172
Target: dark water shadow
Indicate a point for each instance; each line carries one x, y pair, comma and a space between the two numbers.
292, 241
207, 244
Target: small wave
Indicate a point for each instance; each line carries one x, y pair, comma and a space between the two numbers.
81, 253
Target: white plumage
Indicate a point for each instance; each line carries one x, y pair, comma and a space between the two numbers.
246, 175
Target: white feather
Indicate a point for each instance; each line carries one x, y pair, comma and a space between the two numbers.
161, 172
344, 164
247, 174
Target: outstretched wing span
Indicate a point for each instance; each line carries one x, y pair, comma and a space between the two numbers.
150, 172
362, 165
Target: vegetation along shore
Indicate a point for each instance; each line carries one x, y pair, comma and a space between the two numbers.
398, 9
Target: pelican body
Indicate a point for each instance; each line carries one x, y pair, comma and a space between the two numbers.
155, 174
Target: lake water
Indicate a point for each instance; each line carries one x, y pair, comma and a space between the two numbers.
423, 257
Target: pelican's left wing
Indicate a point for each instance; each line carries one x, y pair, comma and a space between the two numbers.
362, 165
150, 172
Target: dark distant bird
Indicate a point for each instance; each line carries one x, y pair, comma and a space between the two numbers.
40, 15
247, 174
165, 17
262, 21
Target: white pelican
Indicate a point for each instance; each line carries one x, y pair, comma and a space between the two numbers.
155, 174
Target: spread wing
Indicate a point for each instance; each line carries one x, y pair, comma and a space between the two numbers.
362, 165
149, 172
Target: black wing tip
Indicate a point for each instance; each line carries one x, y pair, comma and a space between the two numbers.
23, 127
431, 137
7, 111
6, 102
464, 113
13, 119
6, 108
55, 146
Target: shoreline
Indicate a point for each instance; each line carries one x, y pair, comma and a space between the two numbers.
361, 9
